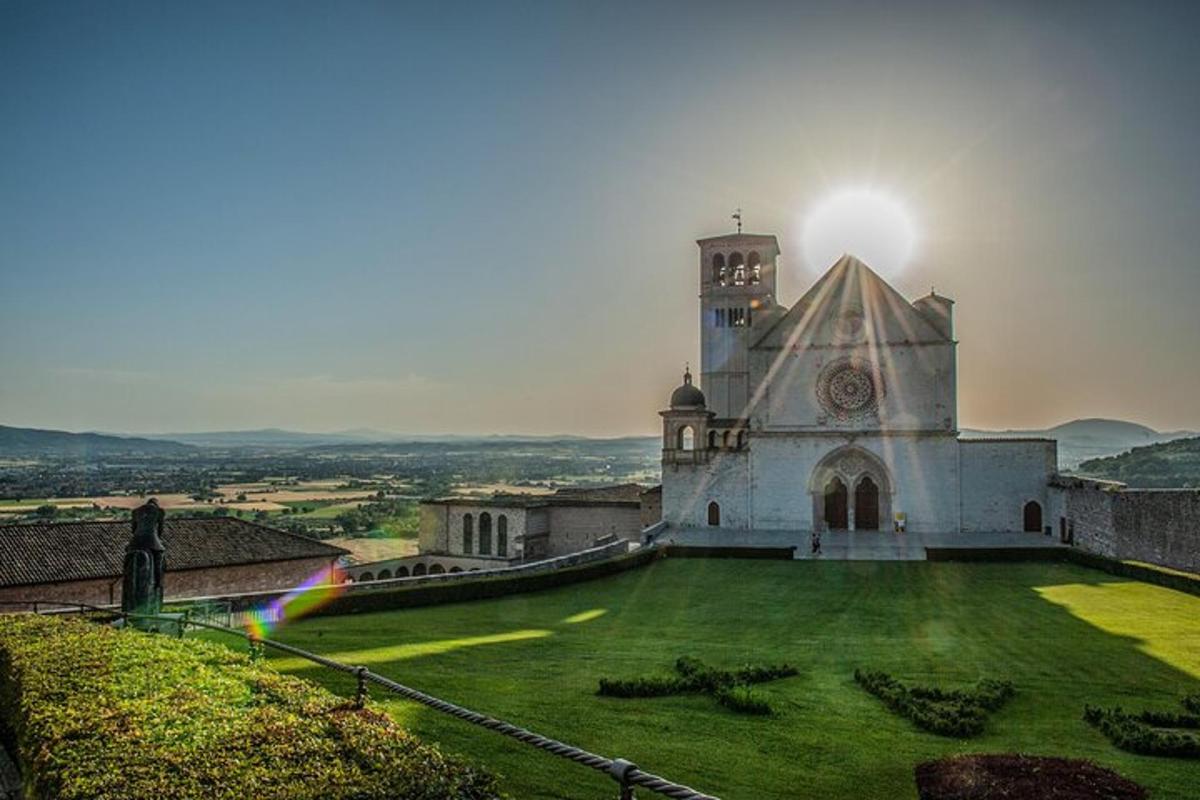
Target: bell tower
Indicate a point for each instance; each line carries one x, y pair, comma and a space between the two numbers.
737, 286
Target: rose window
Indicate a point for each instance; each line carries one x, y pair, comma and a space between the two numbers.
849, 388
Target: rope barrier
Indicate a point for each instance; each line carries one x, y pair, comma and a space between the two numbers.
626, 774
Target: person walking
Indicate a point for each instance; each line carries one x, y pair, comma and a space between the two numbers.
816, 543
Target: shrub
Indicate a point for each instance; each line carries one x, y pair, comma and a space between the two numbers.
1148, 733
1005, 776
101, 713
1192, 703
743, 699
731, 688
957, 713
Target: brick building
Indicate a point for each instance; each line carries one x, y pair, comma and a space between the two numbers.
82, 561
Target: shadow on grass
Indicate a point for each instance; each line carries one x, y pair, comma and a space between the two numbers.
1065, 635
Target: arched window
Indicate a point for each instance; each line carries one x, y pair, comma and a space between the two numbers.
714, 514
727, 440
456, 569
1033, 517
712, 440
401, 572
437, 569
366, 576
418, 570
385, 574
737, 265
754, 266
468, 533
718, 269
485, 534
502, 536
687, 438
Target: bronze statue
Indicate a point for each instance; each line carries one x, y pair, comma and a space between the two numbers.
142, 584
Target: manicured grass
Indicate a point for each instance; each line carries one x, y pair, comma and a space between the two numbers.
1064, 635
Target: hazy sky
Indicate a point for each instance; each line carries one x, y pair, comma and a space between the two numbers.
441, 217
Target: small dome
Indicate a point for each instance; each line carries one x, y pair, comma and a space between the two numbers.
687, 395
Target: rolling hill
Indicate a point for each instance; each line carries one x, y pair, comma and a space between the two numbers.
1174, 464
1083, 439
63, 444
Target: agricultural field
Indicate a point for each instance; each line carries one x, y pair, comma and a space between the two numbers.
1063, 635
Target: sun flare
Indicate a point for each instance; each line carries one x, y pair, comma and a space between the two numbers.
864, 222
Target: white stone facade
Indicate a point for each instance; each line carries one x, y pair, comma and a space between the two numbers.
838, 413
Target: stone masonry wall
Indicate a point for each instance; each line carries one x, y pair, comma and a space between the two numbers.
575, 528
181, 584
1158, 526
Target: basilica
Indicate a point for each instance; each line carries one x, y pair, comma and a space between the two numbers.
836, 413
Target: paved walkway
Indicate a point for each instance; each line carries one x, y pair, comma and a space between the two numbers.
853, 545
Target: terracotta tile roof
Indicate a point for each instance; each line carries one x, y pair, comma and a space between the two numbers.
619, 494
68, 551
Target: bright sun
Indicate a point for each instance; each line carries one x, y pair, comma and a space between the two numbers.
865, 223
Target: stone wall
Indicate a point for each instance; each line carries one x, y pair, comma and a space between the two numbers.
689, 488
267, 576
1000, 476
575, 528
1157, 526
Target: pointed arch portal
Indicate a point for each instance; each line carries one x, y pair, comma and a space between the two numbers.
851, 489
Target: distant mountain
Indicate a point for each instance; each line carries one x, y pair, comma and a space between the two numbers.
1174, 464
1083, 439
281, 438
36, 442
266, 437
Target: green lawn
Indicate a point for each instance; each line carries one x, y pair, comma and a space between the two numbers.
1063, 634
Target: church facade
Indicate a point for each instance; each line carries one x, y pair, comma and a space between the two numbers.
836, 413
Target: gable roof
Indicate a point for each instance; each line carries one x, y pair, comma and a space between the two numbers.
849, 282
55, 552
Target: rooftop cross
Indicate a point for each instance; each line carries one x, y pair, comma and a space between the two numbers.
738, 216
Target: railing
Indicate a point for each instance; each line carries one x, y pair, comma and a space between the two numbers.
627, 775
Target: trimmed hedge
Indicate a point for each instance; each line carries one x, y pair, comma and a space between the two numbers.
1152, 733
957, 713
723, 551
1147, 573
107, 714
731, 688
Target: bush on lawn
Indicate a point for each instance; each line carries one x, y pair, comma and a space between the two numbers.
731, 688
744, 700
1192, 703
957, 713
1007, 776
102, 714
1148, 733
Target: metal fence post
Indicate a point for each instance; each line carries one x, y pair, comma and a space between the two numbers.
360, 697
619, 771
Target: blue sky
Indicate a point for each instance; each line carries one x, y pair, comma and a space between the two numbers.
481, 217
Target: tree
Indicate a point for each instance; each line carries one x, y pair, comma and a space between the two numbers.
46, 511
